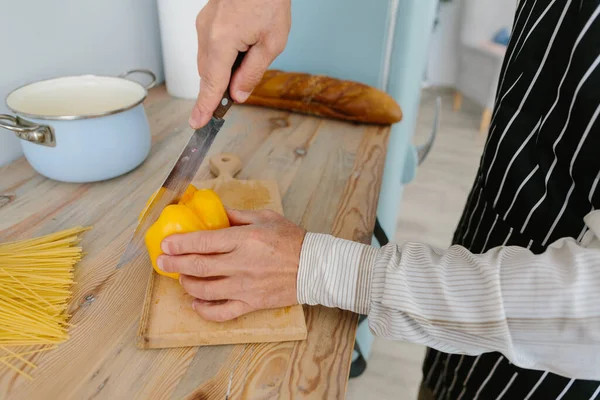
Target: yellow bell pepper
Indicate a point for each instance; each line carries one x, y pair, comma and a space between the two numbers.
196, 210
162, 189
206, 203
185, 197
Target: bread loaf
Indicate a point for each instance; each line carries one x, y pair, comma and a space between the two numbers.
325, 96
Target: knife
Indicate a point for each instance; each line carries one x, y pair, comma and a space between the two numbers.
182, 173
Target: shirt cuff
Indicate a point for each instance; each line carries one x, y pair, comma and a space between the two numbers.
335, 273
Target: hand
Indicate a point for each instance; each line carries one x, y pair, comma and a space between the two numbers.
230, 272
226, 27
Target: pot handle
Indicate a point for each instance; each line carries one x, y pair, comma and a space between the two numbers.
27, 130
152, 84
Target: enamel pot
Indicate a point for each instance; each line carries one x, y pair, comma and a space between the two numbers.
84, 128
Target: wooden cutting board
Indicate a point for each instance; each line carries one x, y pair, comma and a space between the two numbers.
168, 319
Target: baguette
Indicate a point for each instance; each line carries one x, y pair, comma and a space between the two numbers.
325, 96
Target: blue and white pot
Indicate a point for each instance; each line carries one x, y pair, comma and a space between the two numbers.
79, 129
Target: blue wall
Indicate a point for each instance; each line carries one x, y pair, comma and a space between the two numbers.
340, 38
348, 39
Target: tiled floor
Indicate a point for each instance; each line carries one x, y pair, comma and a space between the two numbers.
429, 212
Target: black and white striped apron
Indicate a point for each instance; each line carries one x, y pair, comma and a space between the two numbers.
537, 179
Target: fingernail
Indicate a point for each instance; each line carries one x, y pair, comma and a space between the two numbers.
242, 96
194, 305
164, 247
194, 124
195, 118
160, 263
180, 280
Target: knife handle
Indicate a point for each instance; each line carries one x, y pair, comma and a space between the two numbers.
227, 101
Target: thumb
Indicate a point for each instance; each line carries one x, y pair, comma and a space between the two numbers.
248, 76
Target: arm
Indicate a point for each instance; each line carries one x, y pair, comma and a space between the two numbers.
540, 311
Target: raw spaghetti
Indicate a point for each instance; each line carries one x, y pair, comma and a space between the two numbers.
35, 287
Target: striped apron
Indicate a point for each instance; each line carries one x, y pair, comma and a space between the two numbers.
538, 178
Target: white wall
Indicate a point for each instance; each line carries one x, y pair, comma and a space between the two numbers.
469, 21
43, 39
483, 18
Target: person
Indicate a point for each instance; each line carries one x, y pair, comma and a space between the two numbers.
512, 309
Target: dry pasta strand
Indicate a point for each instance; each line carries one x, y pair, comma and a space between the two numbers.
36, 278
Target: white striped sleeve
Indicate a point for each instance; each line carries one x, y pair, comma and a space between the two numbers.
335, 273
540, 311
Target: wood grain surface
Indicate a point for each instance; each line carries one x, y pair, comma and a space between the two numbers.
168, 319
329, 174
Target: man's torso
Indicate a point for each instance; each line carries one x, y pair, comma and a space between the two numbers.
539, 176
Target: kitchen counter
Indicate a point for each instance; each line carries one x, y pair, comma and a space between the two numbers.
329, 174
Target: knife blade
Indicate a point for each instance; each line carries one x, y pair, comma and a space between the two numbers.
182, 173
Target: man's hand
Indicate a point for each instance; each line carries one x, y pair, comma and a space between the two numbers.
230, 272
226, 27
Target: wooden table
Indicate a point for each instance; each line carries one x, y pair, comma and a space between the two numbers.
329, 173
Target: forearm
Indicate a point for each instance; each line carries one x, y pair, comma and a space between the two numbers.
540, 311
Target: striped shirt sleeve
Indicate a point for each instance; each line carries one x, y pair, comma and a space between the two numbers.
540, 311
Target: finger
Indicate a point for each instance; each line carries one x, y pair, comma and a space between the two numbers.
221, 311
214, 67
201, 242
209, 289
245, 79
241, 217
197, 265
